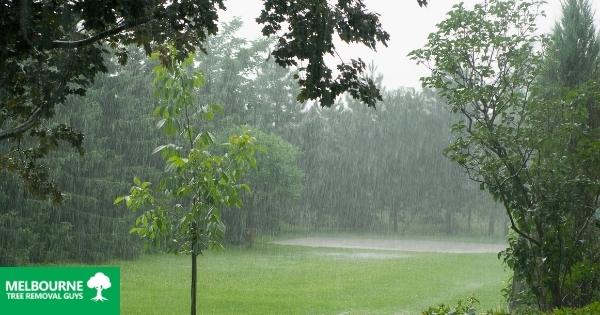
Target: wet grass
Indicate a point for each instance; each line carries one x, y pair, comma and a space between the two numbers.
271, 279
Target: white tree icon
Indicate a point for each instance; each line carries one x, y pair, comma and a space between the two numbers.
99, 282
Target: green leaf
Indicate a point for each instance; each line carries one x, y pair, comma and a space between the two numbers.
137, 230
198, 80
158, 111
118, 200
170, 128
177, 161
216, 108
160, 148
204, 139
182, 191
245, 187
208, 116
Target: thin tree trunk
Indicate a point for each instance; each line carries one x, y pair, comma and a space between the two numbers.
469, 218
395, 220
491, 224
194, 269
194, 280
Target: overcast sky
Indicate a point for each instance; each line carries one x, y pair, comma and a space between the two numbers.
407, 23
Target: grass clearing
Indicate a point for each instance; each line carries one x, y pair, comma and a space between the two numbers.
272, 279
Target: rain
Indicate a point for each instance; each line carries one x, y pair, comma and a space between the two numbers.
209, 161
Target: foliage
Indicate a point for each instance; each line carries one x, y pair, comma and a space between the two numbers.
396, 151
573, 54
467, 307
203, 173
201, 177
404, 137
374, 170
276, 188
86, 227
535, 153
51, 50
571, 71
593, 308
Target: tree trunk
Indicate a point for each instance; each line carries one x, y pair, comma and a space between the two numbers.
194, 268
449, 223
515, 292
491, 224
194, 280
469, 218
395, 220
250, 230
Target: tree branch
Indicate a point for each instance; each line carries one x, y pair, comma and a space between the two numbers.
104, 34
515, 228
33, 118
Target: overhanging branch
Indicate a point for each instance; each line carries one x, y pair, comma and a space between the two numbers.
33, 118
104, 34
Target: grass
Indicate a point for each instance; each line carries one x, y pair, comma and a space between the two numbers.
271, 279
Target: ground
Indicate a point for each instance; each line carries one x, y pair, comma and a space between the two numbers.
278, 279
396, 244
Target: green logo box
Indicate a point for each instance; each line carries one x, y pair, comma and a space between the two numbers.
60, 290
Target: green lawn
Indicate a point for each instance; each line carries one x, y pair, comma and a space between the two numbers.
271, 279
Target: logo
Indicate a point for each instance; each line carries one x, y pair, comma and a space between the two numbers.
60, 290
99, 282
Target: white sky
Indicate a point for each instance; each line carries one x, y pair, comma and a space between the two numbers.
407, 23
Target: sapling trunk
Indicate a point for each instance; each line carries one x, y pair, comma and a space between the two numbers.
194, 254
194, 280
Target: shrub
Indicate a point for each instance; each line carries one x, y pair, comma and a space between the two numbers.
590, 309
467, 307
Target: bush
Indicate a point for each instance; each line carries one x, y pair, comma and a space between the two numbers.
468, 307
590, 309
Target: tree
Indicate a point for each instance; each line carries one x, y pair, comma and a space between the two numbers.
572, 57
276, 183
99, 282
571, 66
52, 50
200, 177
535, 154
86, 227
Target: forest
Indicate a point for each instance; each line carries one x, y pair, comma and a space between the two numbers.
286, 185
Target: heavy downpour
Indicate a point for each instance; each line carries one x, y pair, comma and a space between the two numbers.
300, 157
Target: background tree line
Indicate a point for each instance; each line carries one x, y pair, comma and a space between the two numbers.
348, 168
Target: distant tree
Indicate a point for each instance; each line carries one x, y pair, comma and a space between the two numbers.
571, 66
201, 177
403, 141
573, 53
533, 152
50, 50
277, 184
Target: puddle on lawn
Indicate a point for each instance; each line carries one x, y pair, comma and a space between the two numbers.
362, 255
